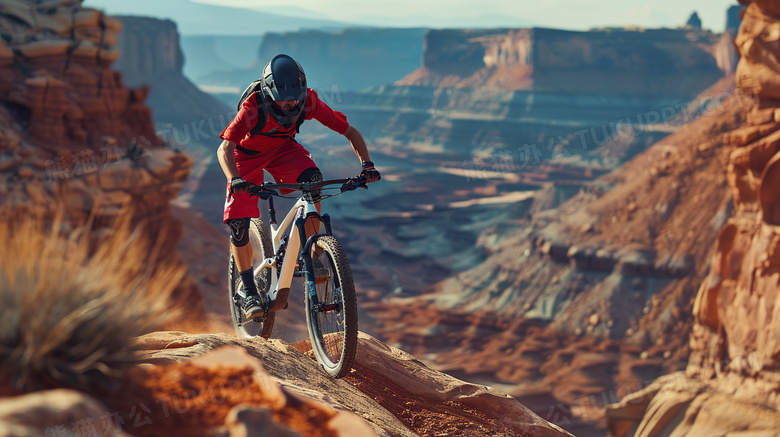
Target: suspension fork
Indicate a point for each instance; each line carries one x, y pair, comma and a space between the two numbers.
305, 253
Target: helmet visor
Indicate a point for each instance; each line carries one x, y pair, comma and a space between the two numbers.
286, 105
280, 93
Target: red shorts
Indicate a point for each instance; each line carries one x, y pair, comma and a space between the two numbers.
285, 163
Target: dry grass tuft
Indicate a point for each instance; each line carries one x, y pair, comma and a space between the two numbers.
71, 305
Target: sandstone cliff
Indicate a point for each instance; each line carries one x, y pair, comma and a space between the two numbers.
74, 140
603, 62
730, 383
150, 55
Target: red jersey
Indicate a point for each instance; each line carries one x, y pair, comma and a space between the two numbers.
238, 131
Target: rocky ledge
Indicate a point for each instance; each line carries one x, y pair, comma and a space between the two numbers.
219, 385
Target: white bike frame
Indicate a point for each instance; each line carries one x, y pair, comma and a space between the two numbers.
283, 279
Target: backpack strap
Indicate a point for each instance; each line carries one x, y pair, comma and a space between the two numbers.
262, 113
301, 118
255, 87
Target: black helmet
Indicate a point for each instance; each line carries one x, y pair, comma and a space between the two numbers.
284, 79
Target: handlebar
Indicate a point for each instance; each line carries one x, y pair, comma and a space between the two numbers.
266, 190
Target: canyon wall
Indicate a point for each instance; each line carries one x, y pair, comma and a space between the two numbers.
477, 89
150, 55
731, 381
572, 299
75, 142
587, 284
645, 62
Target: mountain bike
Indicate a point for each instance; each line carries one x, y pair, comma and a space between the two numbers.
284, 253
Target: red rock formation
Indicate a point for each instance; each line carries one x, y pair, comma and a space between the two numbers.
581, 62
758, 46
49, 412
151, 56
74, 140
736, 307
389, 389
65, 80
610, 277
735, 348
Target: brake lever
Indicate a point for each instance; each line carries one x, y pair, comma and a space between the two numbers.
262, 192
354, 184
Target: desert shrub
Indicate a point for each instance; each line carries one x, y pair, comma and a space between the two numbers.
72, 303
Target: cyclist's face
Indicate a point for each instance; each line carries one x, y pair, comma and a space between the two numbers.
286, 105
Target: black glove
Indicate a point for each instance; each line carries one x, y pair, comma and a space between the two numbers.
238, 185
371, 174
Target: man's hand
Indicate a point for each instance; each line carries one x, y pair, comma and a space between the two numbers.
238, 185
371, 173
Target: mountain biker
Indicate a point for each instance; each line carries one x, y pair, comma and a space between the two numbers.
243, 156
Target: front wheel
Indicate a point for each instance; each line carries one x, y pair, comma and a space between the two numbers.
331, 308
261, 246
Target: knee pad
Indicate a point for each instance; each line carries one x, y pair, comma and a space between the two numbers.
239, 231
312, 174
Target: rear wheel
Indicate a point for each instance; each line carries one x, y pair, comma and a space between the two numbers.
331, 309
261, 246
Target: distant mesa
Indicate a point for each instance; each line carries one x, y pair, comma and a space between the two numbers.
151, 56
647, 62
694, 21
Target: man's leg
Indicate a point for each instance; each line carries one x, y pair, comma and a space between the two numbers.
242, 253
296, 164
243, 256
239, 207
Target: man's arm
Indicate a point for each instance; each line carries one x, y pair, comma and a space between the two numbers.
338, 122
228, 163
358, 144
227, 160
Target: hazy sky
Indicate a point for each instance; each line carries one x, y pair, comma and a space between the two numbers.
565, 14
